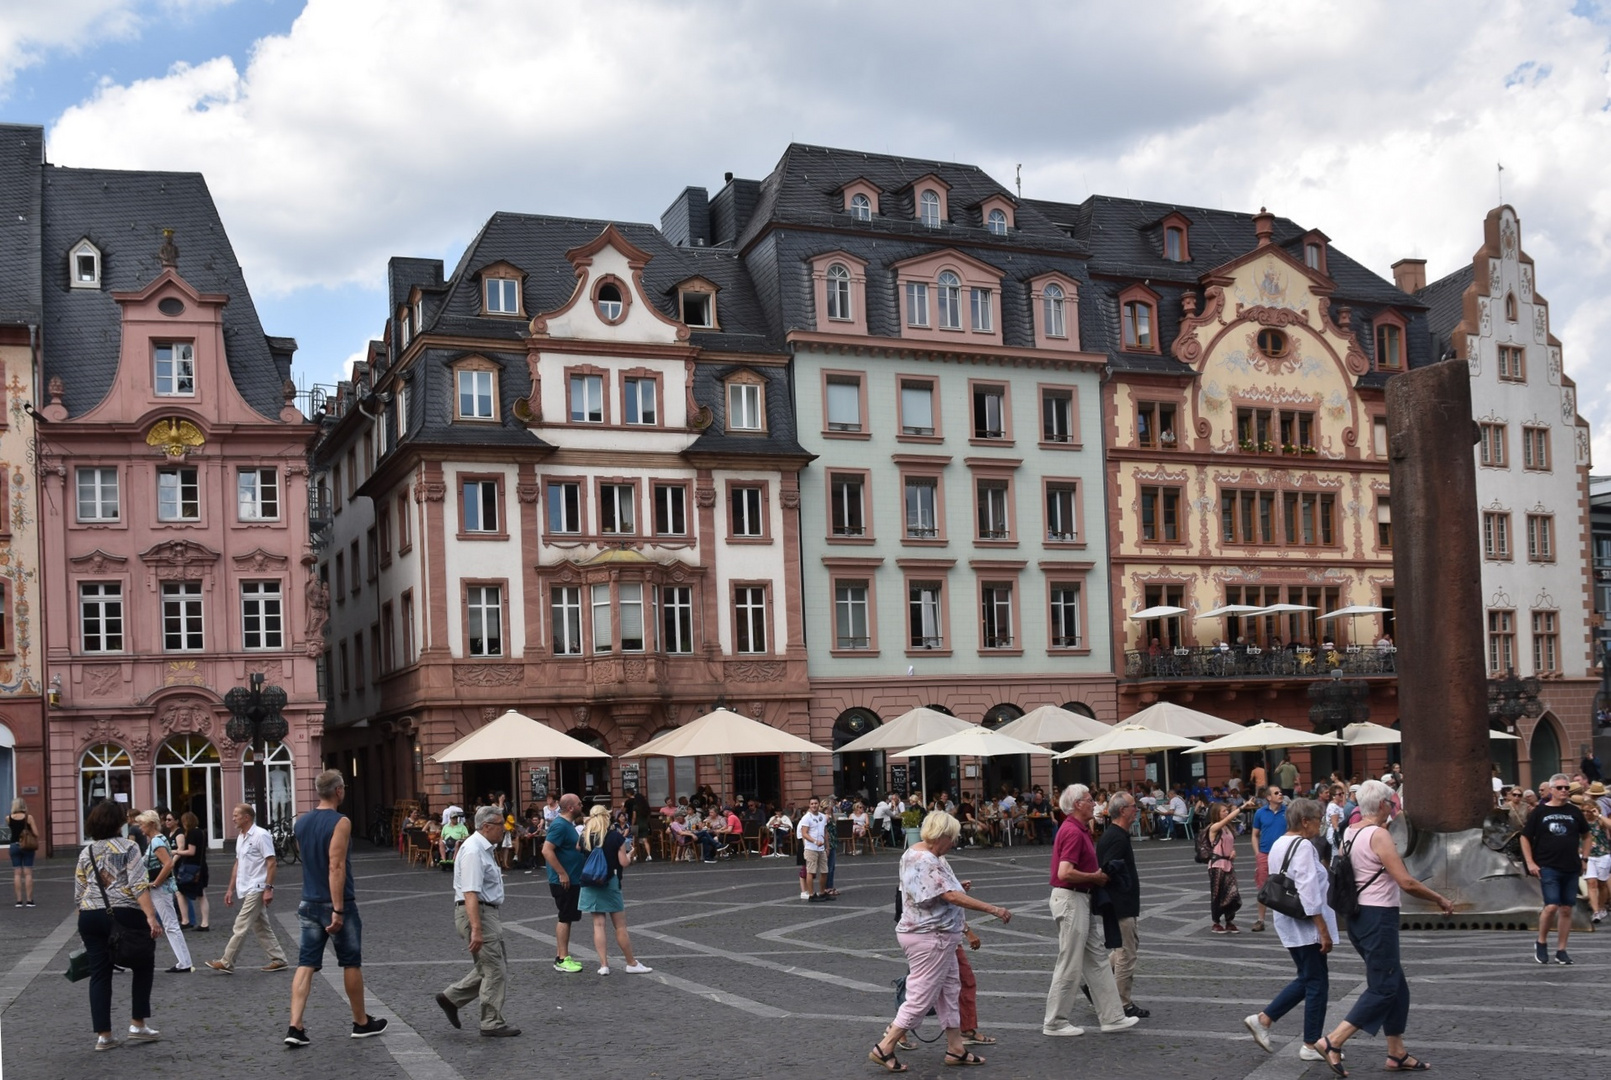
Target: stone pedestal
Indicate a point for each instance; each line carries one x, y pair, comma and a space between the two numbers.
1490, 891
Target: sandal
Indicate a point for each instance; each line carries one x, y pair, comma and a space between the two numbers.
1329, 1051
888, 1062
967, 1057
1402, 1064
973, 1038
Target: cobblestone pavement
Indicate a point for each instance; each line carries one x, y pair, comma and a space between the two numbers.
750, 981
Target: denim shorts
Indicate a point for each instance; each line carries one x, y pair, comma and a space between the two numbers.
313, 918
1560, 887
20, 857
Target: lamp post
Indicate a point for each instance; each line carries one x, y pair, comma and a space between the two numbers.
1335, 703
255, 716
1510, 699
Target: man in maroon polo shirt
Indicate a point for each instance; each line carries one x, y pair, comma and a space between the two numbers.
1082, 955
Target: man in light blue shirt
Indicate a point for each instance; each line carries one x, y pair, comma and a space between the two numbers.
1269, 825
477, 896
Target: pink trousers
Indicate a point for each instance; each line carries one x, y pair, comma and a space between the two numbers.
932, 979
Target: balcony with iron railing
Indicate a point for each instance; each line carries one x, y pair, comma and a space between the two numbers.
1210, 662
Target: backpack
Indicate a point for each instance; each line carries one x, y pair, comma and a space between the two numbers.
1205, 845
1343, 893
596, 870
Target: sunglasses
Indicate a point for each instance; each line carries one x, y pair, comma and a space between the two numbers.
1561, 787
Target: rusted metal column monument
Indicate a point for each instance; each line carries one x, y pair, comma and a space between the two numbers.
1442, 659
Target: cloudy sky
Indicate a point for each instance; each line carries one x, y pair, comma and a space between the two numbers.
337, 133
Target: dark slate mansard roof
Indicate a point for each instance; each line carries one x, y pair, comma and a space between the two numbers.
123, 214
1445, 304
22, 152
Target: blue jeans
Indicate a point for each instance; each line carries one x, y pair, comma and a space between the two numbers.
1385, 1004
313, 918
1312, 987
1560, 887
833, 849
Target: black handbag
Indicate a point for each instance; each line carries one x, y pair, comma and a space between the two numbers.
130, 948
1280, 893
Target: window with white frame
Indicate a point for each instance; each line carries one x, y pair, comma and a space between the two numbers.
97, 493
566, 617
181, 616
1051, 311
993, 515
744, 406
630, 601
1495, 535
996, 222
861, 208
480, 506
670, 510
484, 619
475, 395
917, 303
676, 618
846, 515
175, 369
917, 408
749, 619
924, 615
178, 495
1137, 323
922, 497
262, 615
618, 509
980, 309
844, 403
503, 296
564, 506
609, 302
638, 401
587, 399
747, 509
1546, 643
1491, 444
1535, 448
1501, 641
839, 293
948, 297
603, 619
850, 615
1065, 612
86, 262
1062, 524
928, 209
100, 616
995, 601
1057, 416
1540, 538
698, 308
258, 494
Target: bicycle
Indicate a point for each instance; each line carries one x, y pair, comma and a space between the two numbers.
380, 826
283, 833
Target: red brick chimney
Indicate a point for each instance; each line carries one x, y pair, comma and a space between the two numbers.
1410, 275
1263, 226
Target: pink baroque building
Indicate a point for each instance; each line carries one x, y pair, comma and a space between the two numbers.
173, 495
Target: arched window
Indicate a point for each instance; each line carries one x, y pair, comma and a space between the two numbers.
189, 777
997, 222
281, 781
1051, 302
104, 772
929, 209
1510, 306
950, 301
839, 291
1137, 325
609, 302
861, 208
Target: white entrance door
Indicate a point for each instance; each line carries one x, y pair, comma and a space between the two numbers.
188, 777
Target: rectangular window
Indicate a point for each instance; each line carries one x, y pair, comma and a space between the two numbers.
388, 640
405, 536
1062, 523
1512, 363
917, 303
744, 407
475, 395
850, 615
407, 616
670, 510
358, 660
746, 505
1379, 436
100, 617
1057, 416
385, 535
1389, 347
564, 507
1491, 443
566, 618
357, 567
603, 620
341, 577
1297, 430
503, 296
1501, 642
1255, 431
1160, 514
631, 603
1245, 517
481, 506
638, 401
262, 617
993, 510
924, 615
346, 669
178, 495
844, 404
989, 412
484, 619
1495, 535
181, 616
922, 496
587, 399
1065, 611
995, 601
258, 494
1310, 518
1137, 318
676, 619
917, 408
1384, 523
97, 494
1155, 425
846, 514
749, 611
618, 509
373, 551
948, 299
1540, 538
1546, 643
1535, 449
980, 307
696, 309
175, 370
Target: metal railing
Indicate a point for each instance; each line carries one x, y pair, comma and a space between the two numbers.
1209, 662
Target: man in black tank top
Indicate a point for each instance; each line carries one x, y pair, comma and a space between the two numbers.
323, 837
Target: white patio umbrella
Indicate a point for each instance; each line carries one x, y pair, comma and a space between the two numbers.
1129, 738
1053, 724
1368, 734
1265, 736
1178, 720
1229, 609
1354, 611
1282, 609
911, 728
515, 737
977, 741
724, 732
1162, 611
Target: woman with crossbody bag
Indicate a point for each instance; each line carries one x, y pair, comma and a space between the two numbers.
24, 842
112, 894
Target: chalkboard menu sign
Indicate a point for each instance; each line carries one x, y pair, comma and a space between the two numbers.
539, 783
897, 778
629, 779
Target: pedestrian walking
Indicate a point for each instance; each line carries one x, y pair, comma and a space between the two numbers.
252, 881
190, 845
1555, 843
604, 902
477, 898
813, 833
1224, 898
24, 842
930, 931
1308, 940
1373, 929
159, 867
1114, 846
329, 910
1269, 823
564, 856
110, 885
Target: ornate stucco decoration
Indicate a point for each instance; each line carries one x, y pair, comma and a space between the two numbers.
175, 437
179, 560
186, 716
258, 561
97, 562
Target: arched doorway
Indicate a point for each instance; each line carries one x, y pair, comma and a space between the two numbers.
281, 769
189, 776
1502, 752
1079, 770
861, 774
1545, 749
998, 772
586, 777
104, 772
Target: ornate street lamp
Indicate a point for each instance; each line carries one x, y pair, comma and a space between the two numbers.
1510, 699
255, 716
1337, 702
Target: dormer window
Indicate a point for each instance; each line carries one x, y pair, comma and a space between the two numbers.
996, 222
84, 266
1051, 304
477, 386
839, 290
1175, 244
503, 296
419, 314
407, 329
1389, 347
697, 301
610, 302
861, 208
744, 404
175, 364
1311, 255
949, 301
928, 208
1137, 315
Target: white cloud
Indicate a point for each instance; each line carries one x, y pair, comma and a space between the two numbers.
374, 128
30, 31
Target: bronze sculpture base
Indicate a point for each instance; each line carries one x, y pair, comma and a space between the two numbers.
1490, 890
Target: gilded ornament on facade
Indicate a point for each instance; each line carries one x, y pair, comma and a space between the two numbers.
175, 437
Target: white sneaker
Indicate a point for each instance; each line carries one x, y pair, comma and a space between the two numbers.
638, 969
1261, 1034
805, 896
1122, 1023
1309, 1053
605, 970
1065, 1029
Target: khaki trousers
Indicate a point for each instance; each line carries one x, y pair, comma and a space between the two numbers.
1080, 956
489, 978
1124, 959
253, 916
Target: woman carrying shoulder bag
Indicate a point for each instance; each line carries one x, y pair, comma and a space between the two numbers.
112, 893
24, 842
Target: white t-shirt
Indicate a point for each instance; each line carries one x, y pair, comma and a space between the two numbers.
1007, 803
814, 831
1177, 807
252, 853
881, 811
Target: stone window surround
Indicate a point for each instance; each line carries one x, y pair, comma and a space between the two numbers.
1064, 574
853, 570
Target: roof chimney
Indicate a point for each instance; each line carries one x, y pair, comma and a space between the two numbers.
1263, 226
1410, 275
